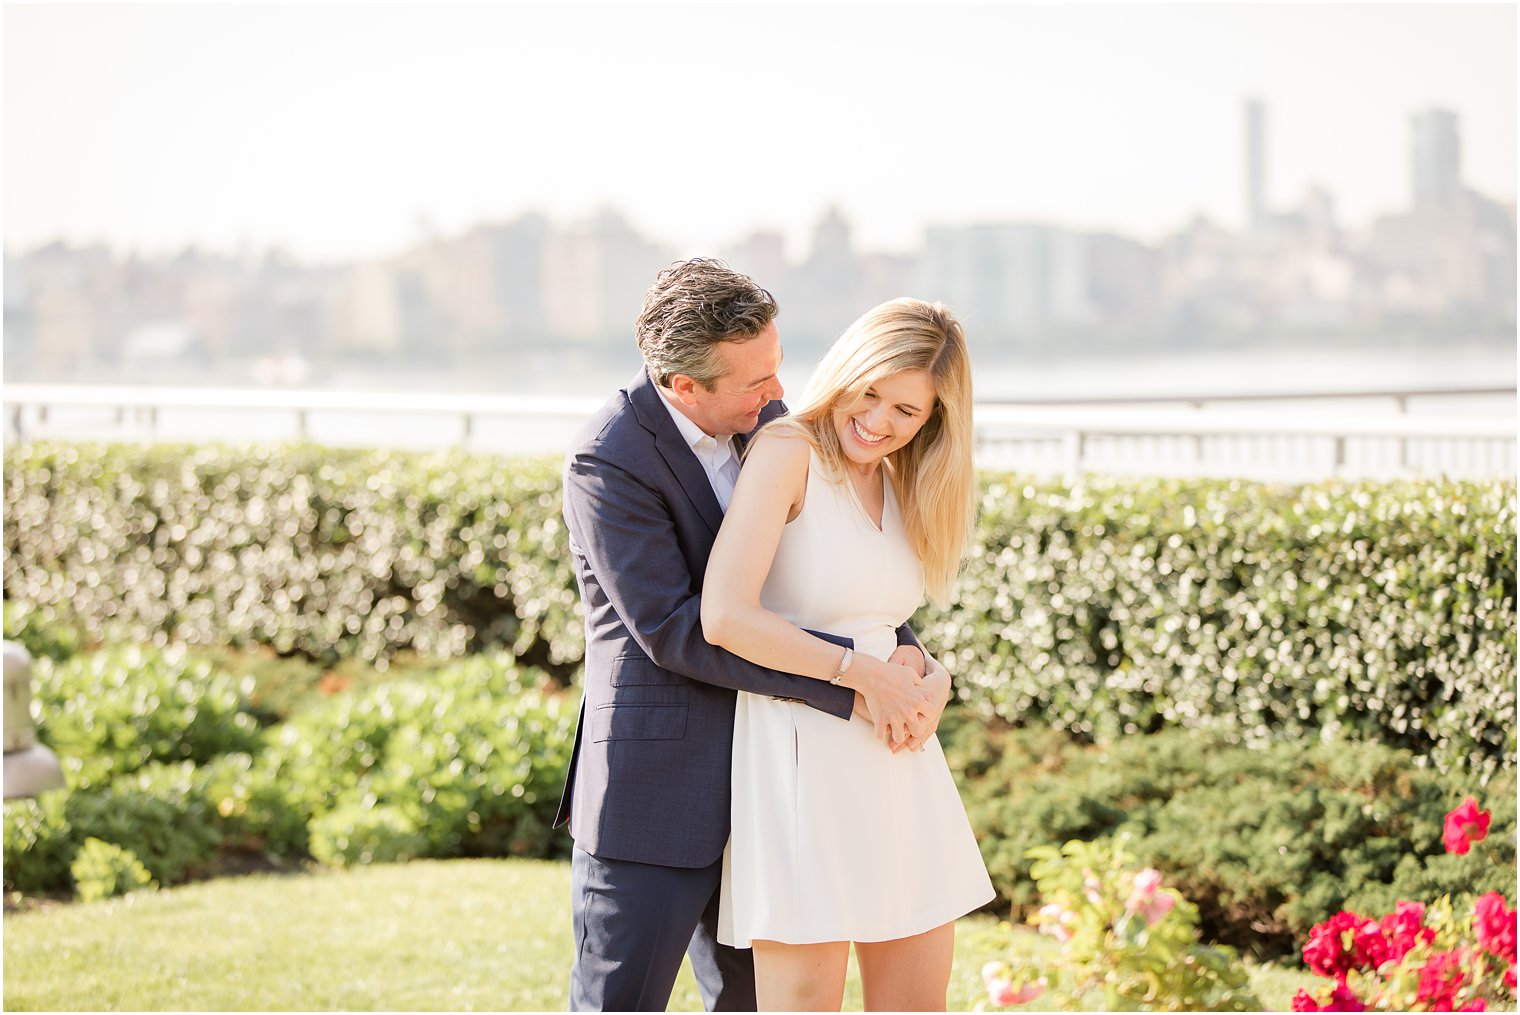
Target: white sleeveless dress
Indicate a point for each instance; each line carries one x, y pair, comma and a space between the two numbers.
834, 837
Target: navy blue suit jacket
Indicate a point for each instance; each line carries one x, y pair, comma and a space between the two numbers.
649, 777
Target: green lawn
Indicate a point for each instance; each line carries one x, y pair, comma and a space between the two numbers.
456, 935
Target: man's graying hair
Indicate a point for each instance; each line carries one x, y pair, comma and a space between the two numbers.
692, 306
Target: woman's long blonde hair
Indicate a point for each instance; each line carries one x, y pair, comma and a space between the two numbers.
932, 474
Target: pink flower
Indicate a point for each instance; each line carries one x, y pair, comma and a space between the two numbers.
1147, 881
1057, 922
1141, 896
1465, 826
1003, 993
1476, 1004
1030, 991
1303, 1001
1404, 928
1495, 924
1158, 907
1092, 887
1000, 993
1509, 977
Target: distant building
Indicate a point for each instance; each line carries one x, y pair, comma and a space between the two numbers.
1445, 266
1452, 255
1435, 159
823, 293
519, 273
1255, 165
762, 256
595, 273
376, 307
20, 344
75, 303
1015, 284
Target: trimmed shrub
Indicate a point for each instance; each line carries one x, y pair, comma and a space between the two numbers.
308, 550
1105, 607
1371, 611
153, 815
1265, 841
249, 808
360, 833
39, 843
473, 758
109, 713
45, 632
102, 870
466, 760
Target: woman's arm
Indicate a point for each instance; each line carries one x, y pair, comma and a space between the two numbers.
770, 490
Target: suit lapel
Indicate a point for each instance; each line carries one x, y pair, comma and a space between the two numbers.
650, 404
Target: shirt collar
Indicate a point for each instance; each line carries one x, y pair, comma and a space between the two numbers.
693, 434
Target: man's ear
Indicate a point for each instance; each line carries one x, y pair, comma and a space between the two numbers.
684, 388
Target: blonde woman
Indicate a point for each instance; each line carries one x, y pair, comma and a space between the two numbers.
845, 513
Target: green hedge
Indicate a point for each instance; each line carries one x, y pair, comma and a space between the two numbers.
467, 763
309, 550
1378, 611
1266, 840
464, 761
468, 760
109, 713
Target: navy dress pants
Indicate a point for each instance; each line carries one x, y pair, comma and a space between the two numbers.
634, 921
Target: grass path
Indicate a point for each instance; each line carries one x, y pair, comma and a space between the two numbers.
462, 935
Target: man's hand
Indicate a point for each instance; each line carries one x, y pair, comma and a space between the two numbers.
863, 710
910, 656
937, 684
893, 697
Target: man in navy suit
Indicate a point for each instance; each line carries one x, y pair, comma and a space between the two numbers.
647, 795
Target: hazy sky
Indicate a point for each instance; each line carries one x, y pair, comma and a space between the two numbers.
336, 130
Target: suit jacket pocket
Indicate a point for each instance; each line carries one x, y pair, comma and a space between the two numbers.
638, 722
633, 670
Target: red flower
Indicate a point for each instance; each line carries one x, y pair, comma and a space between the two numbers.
1440, 979
1509, 977
1495, 924
1476, 1004
1302, 1001
1343, 998
1465, 826
1345, 942
1404, 928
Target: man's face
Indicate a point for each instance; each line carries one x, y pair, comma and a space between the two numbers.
748, 382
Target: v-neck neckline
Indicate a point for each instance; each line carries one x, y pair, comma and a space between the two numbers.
880, 527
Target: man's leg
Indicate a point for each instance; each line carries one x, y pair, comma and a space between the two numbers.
632, 923
725, 976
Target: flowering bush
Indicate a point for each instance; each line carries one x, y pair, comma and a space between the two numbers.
1445, 957
1123, 934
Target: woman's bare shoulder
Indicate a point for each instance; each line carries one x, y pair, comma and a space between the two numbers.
782, 441
781, 455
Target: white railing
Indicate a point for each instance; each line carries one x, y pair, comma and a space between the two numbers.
1222, 442
1295, 439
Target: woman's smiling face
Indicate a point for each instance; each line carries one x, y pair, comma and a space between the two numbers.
885, 417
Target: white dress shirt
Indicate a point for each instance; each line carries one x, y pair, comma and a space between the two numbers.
718, 455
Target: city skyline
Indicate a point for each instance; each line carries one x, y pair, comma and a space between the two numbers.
130, 126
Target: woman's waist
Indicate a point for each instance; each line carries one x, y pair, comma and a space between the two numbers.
871, 637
